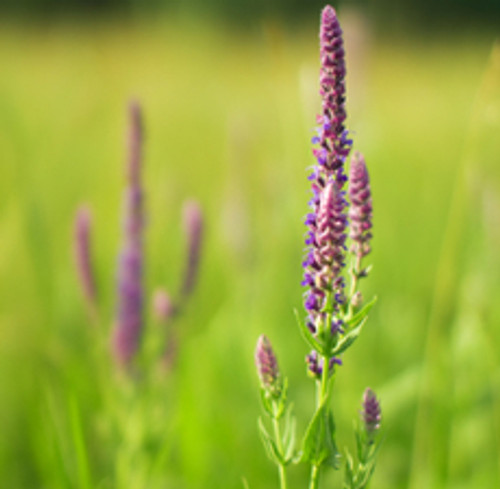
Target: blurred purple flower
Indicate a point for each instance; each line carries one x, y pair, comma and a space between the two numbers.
193, 229
129, 319
163, 307
82, 256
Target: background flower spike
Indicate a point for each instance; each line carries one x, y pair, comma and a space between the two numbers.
83, 258
192, 218
129, 316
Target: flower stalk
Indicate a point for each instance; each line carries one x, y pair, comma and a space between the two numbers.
338, 232
280, 445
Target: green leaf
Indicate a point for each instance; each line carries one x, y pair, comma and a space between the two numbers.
334, 457
349, 471
266, 402
364, 476
280, 404
318, 446
271, 449
347, 340
358, 434
308, 336
79, 445
361, 314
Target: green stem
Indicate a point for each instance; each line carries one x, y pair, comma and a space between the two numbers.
355, 270
322, 391
282, 467
314, 477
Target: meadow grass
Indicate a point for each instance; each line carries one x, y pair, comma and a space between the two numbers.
228, 120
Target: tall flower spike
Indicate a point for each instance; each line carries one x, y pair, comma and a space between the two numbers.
333, 142
371, 413
193, 228
327, 220
82, 256
361, 207
267, 367
325, 259
129, 318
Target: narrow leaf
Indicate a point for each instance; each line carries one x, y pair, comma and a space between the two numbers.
361, 314
80, 449
266, 402
333, 455
318, 446
271, 449
288, 440
349, 471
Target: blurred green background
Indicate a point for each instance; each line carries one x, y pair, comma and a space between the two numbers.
229, 92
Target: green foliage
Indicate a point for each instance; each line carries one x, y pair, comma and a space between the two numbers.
318, 446
226, 119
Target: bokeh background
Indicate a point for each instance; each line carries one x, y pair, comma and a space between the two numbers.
229, 92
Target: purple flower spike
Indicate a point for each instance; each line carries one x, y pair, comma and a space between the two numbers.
193, 228
371, 413
361, 206
332, 80
82, 255
326, 257
267, 367
135, 141
129, 320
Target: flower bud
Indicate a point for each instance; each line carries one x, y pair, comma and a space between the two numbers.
267, 367
371, 413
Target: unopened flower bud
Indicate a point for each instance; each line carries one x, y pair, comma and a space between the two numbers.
163, 307
361, 206
267, 367
371, 413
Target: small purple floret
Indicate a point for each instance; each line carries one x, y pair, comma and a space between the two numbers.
315, 364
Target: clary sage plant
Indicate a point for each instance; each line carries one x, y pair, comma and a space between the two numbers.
338, 240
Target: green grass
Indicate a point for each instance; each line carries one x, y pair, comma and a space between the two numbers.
228, 119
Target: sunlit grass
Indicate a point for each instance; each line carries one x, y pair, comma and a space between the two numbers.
228, 120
